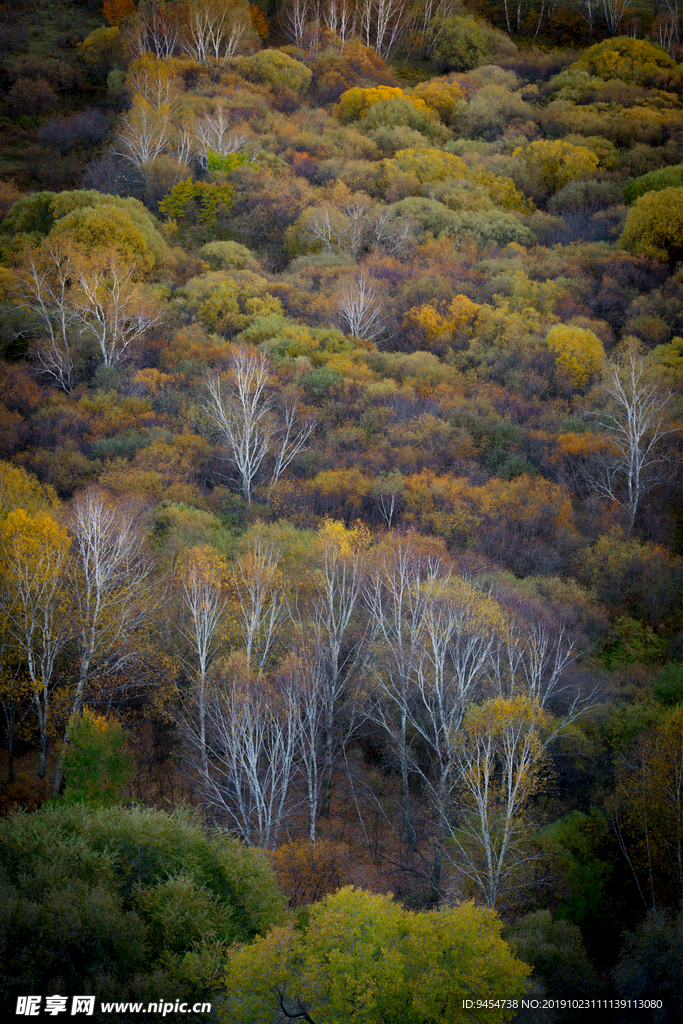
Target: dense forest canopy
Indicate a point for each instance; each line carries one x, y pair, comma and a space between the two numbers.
341, 531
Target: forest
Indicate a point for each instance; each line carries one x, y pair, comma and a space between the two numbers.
341, 527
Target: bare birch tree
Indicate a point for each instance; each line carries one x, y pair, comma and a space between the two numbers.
154, 82
155, 30
360, 309
666, 32
339, 585
34, 556
532, 658
214, 29
242, 408
391, 19
44, 291
112, 306
615, 12
216, 133
339, 16
203, 601
632, 461
294, 18
395, 599
106, 584
262, 608
302, 678
253, 731
501, 764
427, 21
145, 132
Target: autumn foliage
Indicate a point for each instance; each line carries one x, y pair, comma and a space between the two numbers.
340, 502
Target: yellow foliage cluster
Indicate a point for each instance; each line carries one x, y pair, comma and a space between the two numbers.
35, 544
556, 162
362, 950
502, 191
355, 103
578, 352
459, 316
19, 489
344, 539
450, 505
107, 414
192, 343
201, 567
426, 164
654, 226
440, 95
306, 873
640, 123
227, 303
630, 60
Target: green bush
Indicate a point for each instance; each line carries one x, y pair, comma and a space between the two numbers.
556, 951
277, 68
127, 903
427, 215
650, 962
400, 112
655, 181
492, 227
98, 764
466, 42
228, 256
667, 687
585, 197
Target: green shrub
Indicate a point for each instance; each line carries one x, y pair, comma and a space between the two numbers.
492, 227
655, 181
400, 112
128, 903
228, 256
277, 68
466, 42
98, 764
667, 687
556, 951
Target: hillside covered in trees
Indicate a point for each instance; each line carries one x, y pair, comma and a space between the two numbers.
341, 529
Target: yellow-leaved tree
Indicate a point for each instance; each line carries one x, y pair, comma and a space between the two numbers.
355, 103
430, 324
362, 957
34, 555
556, 162
579, 354
501, 764
440, 95
654, 226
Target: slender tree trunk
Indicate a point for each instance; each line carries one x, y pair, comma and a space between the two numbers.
328, 764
